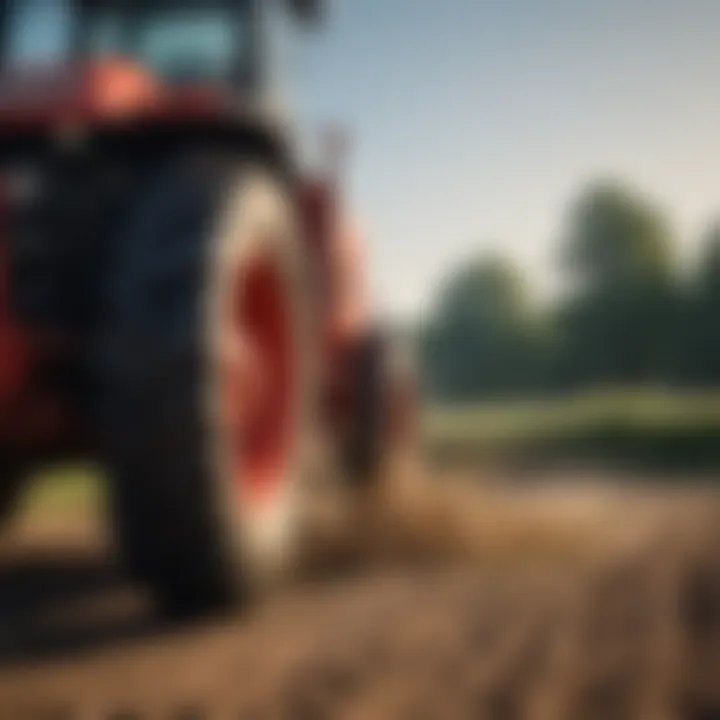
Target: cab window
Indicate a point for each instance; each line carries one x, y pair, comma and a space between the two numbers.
38, 32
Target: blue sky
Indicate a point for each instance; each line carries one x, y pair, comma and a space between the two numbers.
474, 122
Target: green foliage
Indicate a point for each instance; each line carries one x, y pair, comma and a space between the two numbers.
626, 321
480, 340
616, 241
698, 333
615, 326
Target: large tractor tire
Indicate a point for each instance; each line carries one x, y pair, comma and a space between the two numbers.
209, 384
385, 411
366, 442
11, 480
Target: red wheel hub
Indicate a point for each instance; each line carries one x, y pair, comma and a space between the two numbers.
260, 379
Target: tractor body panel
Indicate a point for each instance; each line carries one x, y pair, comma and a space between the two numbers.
69, 176
79, 141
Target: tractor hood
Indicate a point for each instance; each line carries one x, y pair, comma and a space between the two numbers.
104, 92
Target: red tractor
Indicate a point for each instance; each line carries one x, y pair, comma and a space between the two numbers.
177, 300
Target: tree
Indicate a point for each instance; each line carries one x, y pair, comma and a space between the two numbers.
615, 325
479, 341
699, 333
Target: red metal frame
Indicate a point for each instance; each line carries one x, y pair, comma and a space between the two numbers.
102, 93
338, 345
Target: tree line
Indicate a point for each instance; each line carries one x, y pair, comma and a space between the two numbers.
631, 316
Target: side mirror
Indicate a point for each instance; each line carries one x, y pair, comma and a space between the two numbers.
310, 12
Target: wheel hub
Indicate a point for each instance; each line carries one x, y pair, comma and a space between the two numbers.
260, 380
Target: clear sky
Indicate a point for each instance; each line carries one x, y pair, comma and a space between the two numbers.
475, 121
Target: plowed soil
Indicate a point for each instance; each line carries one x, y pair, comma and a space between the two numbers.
447, 599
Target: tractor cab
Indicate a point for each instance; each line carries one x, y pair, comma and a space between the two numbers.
178, 42
223, 45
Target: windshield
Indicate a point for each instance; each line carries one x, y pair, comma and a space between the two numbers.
176, 44
38, 32
208, 41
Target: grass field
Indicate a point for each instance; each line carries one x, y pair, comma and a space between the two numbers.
62, 490
648, 429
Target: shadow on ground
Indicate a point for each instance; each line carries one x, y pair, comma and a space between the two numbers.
56, 605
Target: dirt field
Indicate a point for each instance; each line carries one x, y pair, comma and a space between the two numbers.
449, 601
